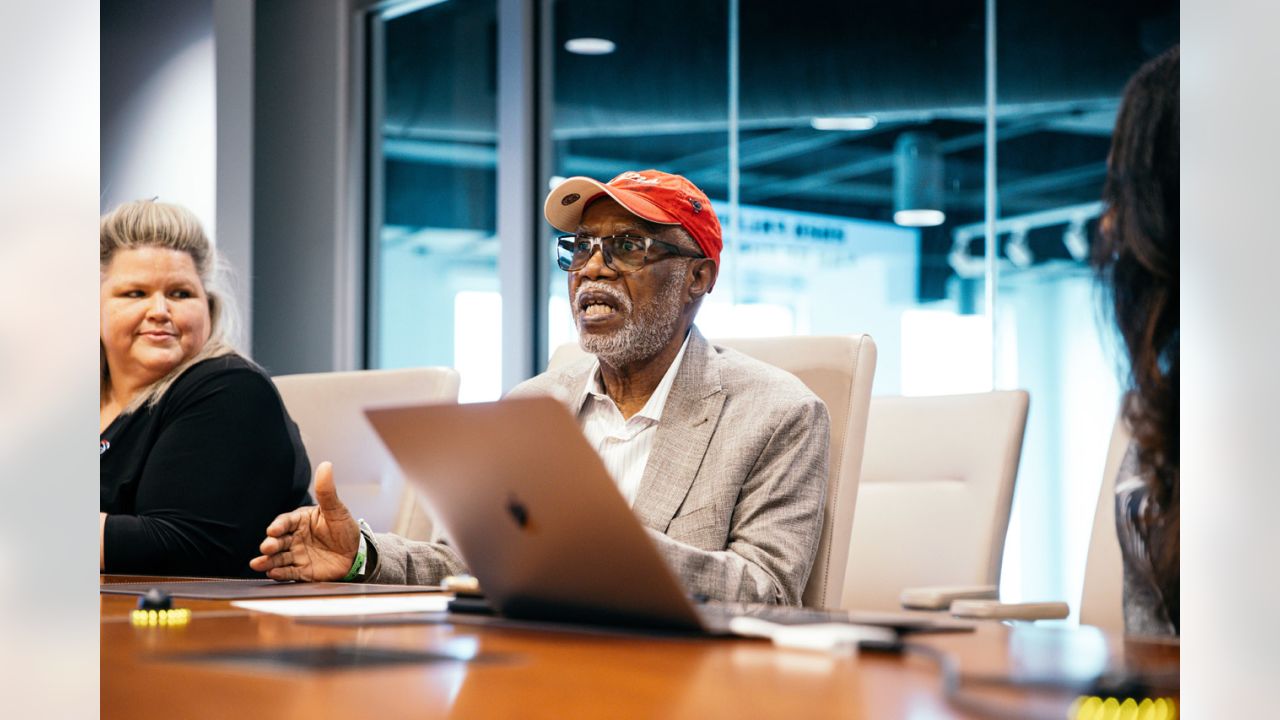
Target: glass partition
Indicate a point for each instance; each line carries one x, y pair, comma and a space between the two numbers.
433, 279
1063, 67
632, 90
861, 145
845, 149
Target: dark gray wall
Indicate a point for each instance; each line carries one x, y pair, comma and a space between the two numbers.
233, 49
306, 258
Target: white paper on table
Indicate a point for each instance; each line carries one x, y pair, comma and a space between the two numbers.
347, 606
840, 638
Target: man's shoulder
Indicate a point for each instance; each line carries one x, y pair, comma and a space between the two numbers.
562, 383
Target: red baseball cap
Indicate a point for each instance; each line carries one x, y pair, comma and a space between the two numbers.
651, 194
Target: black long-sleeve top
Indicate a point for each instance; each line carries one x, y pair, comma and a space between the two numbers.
190, 485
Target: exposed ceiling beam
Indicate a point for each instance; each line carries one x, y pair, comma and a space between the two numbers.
835, 184
711, 166
879, 162
1042, 183
594, 122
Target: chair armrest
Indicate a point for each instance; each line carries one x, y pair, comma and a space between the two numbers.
996, 610
940, 597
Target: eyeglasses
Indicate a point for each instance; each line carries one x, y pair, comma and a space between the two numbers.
622, 253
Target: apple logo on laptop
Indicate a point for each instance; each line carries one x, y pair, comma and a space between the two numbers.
517, 511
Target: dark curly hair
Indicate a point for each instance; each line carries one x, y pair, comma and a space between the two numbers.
1136, 258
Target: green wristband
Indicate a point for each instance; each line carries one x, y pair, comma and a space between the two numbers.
362, 555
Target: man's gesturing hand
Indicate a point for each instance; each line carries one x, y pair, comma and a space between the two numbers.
313, 544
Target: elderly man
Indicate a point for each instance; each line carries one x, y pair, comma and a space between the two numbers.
723, 458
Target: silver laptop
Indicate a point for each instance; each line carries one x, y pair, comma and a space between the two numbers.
531, 508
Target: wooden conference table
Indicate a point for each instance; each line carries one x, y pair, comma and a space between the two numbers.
482, 671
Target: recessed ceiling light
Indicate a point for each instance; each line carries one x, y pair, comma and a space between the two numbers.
590, 46
919, 218
851, 122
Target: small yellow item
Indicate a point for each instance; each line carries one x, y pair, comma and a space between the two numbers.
1088, 707
168, 618
1084, 708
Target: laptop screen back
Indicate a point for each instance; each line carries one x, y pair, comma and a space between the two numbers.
532, 510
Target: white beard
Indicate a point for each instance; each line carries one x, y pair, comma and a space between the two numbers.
643, 333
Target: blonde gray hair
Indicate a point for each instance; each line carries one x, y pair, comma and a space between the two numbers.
147, 223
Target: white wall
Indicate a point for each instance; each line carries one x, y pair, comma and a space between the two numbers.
158, 136
165, 134
251, 131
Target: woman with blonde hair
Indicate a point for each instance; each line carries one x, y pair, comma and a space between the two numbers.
197, 453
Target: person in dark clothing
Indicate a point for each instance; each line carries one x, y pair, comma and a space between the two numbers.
197, 452
1137, 262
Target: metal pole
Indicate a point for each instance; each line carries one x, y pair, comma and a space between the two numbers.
735, 214
992, 208
517, 172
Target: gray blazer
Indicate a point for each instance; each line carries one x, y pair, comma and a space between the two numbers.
1146, 610
733, 490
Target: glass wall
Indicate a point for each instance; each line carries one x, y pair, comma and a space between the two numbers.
650, 94
1062, 69
434, 297
795, 134
845, 148
838, 109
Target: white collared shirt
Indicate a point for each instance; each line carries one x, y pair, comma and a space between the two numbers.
624, 444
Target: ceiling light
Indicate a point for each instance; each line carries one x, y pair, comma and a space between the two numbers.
919, 218
965, 264
1076, 240
917, 180
852, 122
1017, 249
590, 46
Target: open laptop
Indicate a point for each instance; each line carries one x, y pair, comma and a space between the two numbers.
531, 508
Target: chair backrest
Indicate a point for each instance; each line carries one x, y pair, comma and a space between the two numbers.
839, 370
1102, 603
328, 408
936, 492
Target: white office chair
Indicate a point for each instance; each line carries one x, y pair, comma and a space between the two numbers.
328, 408
1103, 598
935, 496
839, 370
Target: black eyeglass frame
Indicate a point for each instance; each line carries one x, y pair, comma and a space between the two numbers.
606, 245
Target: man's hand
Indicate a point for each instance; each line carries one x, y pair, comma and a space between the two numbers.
312, 544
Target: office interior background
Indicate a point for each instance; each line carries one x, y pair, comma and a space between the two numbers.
374, 173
